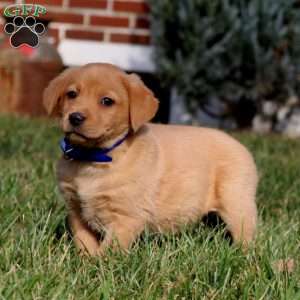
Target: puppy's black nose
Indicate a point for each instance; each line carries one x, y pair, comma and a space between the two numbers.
76, 118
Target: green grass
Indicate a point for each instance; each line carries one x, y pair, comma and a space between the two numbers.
38, 260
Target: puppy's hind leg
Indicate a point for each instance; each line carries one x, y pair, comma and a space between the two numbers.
237, 207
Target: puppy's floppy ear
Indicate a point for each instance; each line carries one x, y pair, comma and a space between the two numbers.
142, 103
54, 92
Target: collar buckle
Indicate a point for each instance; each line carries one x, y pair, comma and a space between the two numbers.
66, 154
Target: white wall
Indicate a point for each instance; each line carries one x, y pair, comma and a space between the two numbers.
128, 57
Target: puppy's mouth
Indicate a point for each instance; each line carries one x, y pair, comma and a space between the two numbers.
79, 138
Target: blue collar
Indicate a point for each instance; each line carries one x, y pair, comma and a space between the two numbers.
75, 152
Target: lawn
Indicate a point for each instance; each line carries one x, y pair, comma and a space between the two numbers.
38, 260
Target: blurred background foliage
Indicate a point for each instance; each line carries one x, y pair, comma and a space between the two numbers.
236, 53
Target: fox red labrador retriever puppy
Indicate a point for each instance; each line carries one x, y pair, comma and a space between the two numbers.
120, 174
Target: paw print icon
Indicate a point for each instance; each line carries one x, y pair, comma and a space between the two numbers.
24, 31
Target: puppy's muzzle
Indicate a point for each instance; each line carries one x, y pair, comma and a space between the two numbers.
76, 119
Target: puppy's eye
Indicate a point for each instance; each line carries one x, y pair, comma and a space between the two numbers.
107, 101
71, 94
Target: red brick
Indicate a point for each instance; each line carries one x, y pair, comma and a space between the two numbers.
84, 35
110, 21
130, 38
54, 33
3, 4
45, 2
63, 17
142, 23
128, 6
102, 4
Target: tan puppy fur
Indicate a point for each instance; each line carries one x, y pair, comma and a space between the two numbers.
162, 176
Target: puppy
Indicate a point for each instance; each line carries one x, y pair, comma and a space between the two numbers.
120, 174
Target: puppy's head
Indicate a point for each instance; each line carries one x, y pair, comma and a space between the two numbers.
99, 102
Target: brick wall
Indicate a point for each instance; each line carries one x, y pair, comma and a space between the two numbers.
116, 21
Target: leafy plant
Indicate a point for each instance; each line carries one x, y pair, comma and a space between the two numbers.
239, 52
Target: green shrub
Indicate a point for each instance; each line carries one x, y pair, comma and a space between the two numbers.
237, 51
